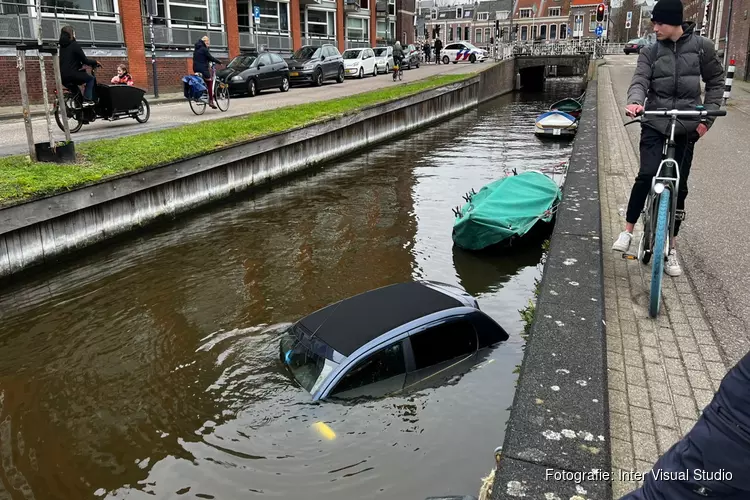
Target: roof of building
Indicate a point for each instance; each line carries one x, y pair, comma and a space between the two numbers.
351, 323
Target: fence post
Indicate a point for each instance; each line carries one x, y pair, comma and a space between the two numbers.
62, 108
21, 64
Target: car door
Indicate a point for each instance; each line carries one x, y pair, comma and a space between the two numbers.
279, 69
331, 64
369, 61
378, 374
265, 72
439, 352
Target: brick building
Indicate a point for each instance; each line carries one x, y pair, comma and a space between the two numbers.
116, 31
583, 22
542, 20
739, 39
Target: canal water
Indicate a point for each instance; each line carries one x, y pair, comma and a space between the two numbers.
149, 368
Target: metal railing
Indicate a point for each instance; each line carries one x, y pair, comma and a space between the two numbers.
274, 41
313, 39
566, 47
357, 43
180, 33
93, 29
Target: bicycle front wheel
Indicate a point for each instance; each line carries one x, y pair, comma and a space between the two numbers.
198, 107
657, 264
222, 97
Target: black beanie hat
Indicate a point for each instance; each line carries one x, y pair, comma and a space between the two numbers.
667, 12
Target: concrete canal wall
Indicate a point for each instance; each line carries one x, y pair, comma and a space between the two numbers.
39, 231
558, 431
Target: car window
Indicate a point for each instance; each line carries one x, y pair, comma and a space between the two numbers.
333, 51
381, 365
307, 52
453, 46
443, 342
265, 59
276, 59
352, 54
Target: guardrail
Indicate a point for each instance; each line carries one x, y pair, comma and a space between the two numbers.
179, 33
357, 43
18, 24
274, 41
570, 47
312, 39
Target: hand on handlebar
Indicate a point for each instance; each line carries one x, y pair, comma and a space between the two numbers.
633, 110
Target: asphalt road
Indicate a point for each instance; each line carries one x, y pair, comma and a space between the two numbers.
13, 134
712, 238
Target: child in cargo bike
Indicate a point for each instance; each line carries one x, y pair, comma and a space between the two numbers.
122, 77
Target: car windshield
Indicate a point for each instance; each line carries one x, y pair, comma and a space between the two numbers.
352, 54
241, 62
634, 41
306, 53
381, 52
307, 359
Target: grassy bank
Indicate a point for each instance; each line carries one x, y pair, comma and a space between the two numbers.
22, 179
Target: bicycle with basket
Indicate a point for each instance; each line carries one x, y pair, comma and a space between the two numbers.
196, 92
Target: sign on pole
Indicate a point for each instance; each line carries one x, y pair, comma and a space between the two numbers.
256, 14
599, 30
629, 16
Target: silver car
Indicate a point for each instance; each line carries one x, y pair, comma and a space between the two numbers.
383, 59
388, 340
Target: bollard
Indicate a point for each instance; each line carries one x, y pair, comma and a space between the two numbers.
728, 82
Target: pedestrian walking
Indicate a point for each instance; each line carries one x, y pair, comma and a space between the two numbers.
427, 50
438, 48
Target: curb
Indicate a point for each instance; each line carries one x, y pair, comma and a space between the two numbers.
7, 116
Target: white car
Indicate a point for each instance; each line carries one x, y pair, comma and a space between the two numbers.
359, 62
462, 52
384, 59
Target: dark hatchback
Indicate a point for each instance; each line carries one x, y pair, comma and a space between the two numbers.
249, 74
316, 63
635, 45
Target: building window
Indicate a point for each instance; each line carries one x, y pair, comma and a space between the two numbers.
433, 14
524, 13
450, 34
459, 12
486, 35
392, 8
534, 32
563, 31
467, 33
502, 14
543, 32
552, 31
356, 28
483, 16
468, 14
592, 22
478, 36
104, 8
321, 23
392, 30
554, 12
274, 16
524, 32
382, 29
458, 32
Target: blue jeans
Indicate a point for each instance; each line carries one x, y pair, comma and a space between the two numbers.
80, 78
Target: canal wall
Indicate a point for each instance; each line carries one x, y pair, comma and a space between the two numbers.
558, 431
39, 231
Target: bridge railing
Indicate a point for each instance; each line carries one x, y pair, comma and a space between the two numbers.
563, 48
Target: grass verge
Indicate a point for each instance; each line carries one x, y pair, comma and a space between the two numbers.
21, 179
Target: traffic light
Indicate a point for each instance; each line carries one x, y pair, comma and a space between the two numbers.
497, 24
600, 12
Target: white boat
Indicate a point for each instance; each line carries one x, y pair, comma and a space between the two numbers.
556, 124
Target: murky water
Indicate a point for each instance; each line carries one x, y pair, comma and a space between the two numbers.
149, 367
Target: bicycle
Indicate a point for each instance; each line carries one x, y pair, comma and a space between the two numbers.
221, 94
398, 71
660, 211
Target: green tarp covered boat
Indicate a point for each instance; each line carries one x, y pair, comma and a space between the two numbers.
506, 209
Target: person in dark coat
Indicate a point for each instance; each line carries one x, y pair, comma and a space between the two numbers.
713, 459
668, 76
438, 47
201, 57
426, 51
72, 60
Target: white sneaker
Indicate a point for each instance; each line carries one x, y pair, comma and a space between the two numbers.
672, 266
623, 242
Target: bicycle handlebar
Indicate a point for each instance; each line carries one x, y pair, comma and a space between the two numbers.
677, 112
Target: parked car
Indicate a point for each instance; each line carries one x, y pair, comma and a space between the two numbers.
250, 74
635, 45
461, 52
382, 341
359, 62
316, 63
384, 59
412, 57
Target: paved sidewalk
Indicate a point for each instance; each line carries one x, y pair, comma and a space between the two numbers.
662, 372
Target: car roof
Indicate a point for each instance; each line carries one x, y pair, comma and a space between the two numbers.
351, 323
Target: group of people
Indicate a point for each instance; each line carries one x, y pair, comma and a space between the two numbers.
437, 46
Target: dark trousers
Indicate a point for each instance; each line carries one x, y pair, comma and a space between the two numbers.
652, 147
719, 440
437, 56
80, 78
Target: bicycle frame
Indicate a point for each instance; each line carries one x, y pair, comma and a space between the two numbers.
670, 179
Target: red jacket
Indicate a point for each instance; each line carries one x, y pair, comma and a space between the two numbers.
126, 79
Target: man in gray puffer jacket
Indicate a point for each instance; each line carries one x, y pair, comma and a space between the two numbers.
669, 74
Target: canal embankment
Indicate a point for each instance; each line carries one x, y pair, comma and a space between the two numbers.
557, 437
37, 231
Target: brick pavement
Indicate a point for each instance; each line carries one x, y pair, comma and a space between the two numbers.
664, 371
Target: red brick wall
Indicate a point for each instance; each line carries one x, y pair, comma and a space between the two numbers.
739, 39
10, 92
232, 29
169, 71
404, 21
132, 30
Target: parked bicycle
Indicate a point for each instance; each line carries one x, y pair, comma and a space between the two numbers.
221, 94
112, 102
660, 211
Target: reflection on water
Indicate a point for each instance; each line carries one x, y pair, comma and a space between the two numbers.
151, 367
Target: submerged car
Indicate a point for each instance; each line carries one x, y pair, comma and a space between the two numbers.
386, 340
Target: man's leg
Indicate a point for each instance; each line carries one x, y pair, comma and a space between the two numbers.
651, 149
684, 155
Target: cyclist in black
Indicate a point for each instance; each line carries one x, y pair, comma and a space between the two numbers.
201, 57
398, 56
72, 60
